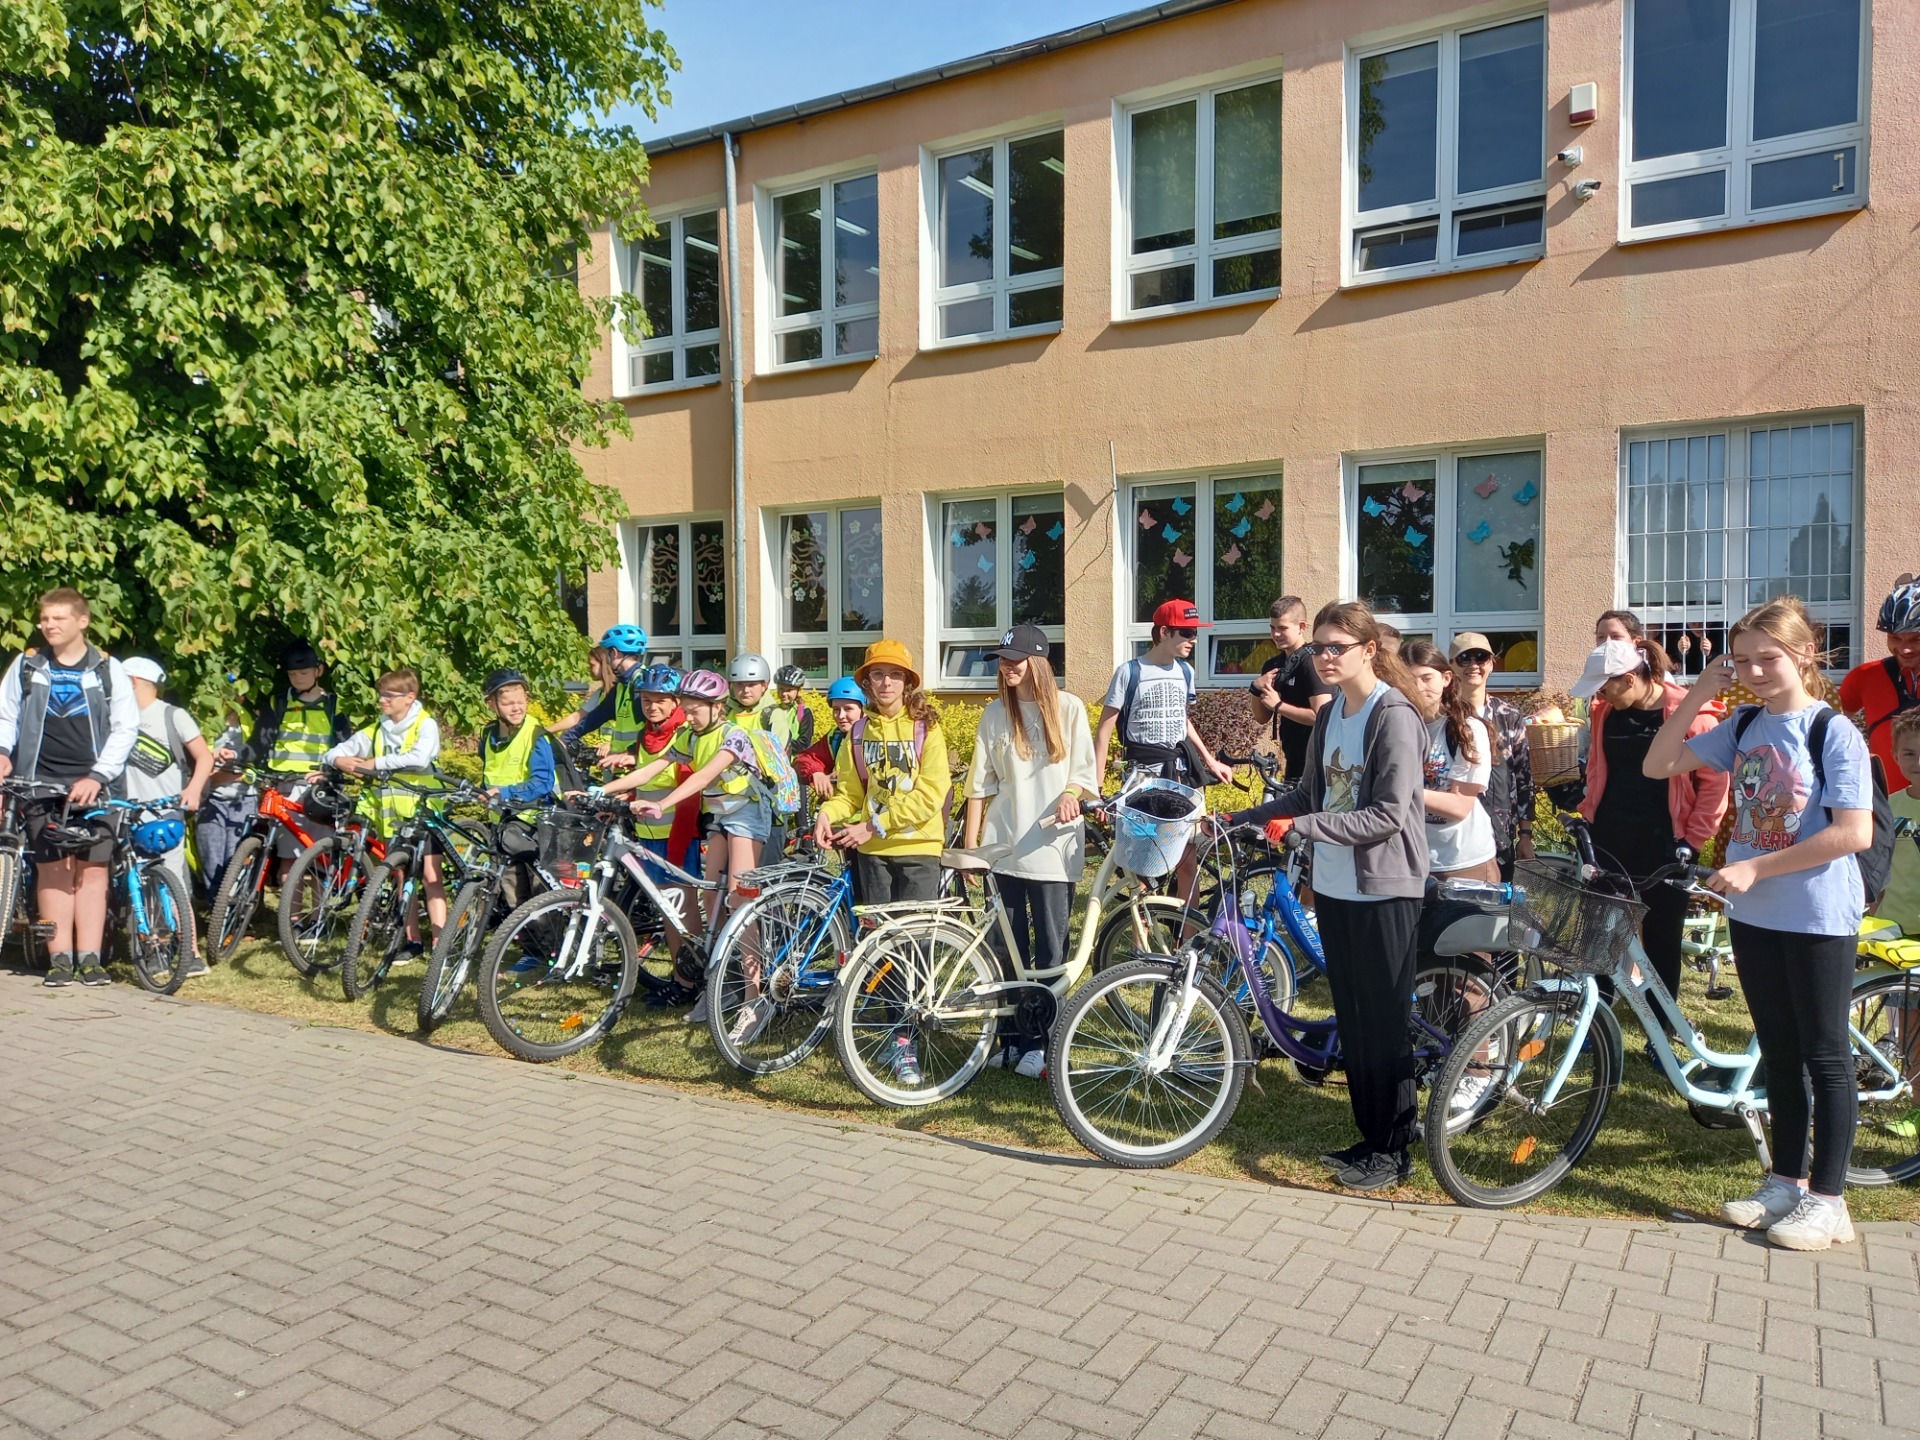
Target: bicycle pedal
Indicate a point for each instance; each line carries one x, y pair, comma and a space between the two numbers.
42, 931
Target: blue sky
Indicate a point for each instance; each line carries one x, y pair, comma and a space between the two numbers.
739, 56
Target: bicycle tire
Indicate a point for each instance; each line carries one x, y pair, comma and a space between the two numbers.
1880, 1156
532, 935
1449, 993
1115, 945
456, 951
1099, 1019
159, 955
12, 869
817, 936
1477, 1137
375, 921
236, 900
310, 938
910, 961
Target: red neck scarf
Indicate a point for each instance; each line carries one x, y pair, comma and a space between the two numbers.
654, 741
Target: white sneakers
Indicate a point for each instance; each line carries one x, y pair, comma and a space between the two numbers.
1033, 1064
1775, 1200
1794, 1219
1470, 1092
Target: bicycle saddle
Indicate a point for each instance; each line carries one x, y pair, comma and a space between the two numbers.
974, 862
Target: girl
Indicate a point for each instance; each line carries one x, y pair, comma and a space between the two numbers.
1459, 764
815, 764
1032, 764
1617, 625
1794, 897
1361, 802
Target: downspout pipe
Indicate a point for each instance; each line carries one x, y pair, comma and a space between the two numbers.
736, 378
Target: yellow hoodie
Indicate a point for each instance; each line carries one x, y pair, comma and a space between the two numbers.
907, 803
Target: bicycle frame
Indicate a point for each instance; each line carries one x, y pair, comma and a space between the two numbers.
621, 854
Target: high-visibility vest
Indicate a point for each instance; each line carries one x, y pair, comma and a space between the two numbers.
393, 805
659, 787
624, 730
505, 763
306, 734
700, 749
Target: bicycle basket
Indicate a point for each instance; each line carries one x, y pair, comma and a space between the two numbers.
566, 838
154, 838
1152, 825
1576, 929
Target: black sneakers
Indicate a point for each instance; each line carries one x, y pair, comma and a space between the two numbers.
59, 972
1376, 1170
1338, 1160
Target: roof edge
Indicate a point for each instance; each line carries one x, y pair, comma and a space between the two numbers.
919, 79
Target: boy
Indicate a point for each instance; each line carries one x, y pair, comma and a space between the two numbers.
625, 647
788, 717
67, 717
291, 733
1901, 903
167, 740
1288, 693
747, 681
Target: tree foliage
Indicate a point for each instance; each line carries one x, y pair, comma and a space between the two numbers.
290, 342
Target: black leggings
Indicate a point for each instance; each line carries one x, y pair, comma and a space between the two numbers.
1372, 949
1799, 990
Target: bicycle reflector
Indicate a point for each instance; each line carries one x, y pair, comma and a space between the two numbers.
154, 838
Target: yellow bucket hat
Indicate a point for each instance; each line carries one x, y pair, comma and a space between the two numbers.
887, 652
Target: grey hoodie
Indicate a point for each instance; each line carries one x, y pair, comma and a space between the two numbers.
1387, 826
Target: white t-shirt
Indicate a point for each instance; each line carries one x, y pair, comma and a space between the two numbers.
1160, 702
1468, 842
1343, 758
165, 730
1020, 793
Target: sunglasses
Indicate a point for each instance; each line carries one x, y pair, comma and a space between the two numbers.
396, 694
1332, 649
1185, 632
1474, 657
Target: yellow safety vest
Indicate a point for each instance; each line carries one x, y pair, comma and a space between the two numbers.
505, 763
624, 730
700, 750
393, 806
306, 734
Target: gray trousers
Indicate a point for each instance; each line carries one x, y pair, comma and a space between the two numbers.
218, 830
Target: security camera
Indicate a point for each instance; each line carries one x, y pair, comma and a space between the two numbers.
1571, 156
1585, 189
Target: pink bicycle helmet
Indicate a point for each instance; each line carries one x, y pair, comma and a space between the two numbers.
704, 685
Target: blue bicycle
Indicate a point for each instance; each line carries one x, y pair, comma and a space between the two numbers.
148, 902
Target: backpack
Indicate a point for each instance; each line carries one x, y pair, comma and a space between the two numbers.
858, 735
1903, 698
1876, 861
776, 778
567, 776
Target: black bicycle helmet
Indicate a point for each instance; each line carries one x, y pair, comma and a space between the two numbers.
299, 655
499, 680
790, 677
325, 800
1900, 611
71, 834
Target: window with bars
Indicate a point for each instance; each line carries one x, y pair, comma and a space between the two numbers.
1003, 563
678, 571
1718, 520
829, 570
673, 275
1213, 539
824, 262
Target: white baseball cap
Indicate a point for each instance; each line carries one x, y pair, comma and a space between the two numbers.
141, 668
1614, 657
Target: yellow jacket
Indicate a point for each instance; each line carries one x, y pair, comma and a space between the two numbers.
907, 803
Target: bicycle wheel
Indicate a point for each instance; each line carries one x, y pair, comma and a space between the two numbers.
1150, 928
770, 981
547, 988
1886, 1015
1492, 1139
12, 867
455, 952
379, 925
910, 1023
1448, 993
317, 904
234, 903
159, 929
1120, 1106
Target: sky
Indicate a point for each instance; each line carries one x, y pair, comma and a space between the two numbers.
742, 56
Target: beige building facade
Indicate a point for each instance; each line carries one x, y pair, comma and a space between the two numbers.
1497, 317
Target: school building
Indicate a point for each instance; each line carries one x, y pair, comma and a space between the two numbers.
1495, 316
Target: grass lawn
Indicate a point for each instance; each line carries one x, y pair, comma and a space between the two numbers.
1651, 1160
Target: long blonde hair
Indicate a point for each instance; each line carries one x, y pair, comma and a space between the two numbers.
1784, 621
1044, 691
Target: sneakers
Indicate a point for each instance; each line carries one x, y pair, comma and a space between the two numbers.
1032, 1064
1338, 1160
906, 1063
698, 1015
671, 996
1774, 1201
748, 1024
59, 972
1473, 1089
196, 965
1814, 1225
92, 972
1377, 1170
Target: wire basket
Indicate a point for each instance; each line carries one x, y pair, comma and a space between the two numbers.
1152, 826
1553, 747
567, 838
1568, 926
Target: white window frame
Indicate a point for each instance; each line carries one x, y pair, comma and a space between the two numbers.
835, 637
1005, 284
945, 635
1734, 602
1736, 157
829, 315
1205, 249
1447, 207
1443, 622
683, 645
1137, 635
628, 359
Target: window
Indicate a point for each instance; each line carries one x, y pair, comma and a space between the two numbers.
1742, 111
1449, 152
829, 571
674, 275
679, 575
1215, 540
999, 216
1202, 212
826, 272
1450, 542
1003, 563
1718, 520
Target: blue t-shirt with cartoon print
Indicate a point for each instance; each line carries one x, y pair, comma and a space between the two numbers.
1778, 802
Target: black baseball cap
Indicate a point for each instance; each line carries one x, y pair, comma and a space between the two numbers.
1024, 642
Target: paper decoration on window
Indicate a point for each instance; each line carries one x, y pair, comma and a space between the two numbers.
983, 530
1480, 532
1232, 557
1265, 512
853, 527
1147, 522
1486, 487
1237, 504
1372, 506
1411, 492
1415, 537
1028, 560
986, 564
1243, 527
1058, 529
1182, 558
1526, 494
1169, 534
959, 538
1028, 525
1180, 507
1518, 558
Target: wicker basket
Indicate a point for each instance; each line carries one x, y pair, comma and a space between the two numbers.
1554, 748
1569, 926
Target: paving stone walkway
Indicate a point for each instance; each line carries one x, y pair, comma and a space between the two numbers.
222, 1223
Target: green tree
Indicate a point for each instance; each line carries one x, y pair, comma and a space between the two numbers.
290, 340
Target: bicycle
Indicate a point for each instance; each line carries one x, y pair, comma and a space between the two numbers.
147, 902
562, 968
1148, 1061
244, 880
1537, 1071
16, 865
323, 886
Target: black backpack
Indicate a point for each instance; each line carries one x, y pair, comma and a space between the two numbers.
1903, 697
1876, 861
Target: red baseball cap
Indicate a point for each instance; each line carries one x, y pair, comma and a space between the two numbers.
1182, 615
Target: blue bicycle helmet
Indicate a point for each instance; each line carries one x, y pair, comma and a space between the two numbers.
154, 838
625, 640
656, 680
1900, 611
846, 688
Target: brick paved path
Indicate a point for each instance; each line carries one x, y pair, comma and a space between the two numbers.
219, 1222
